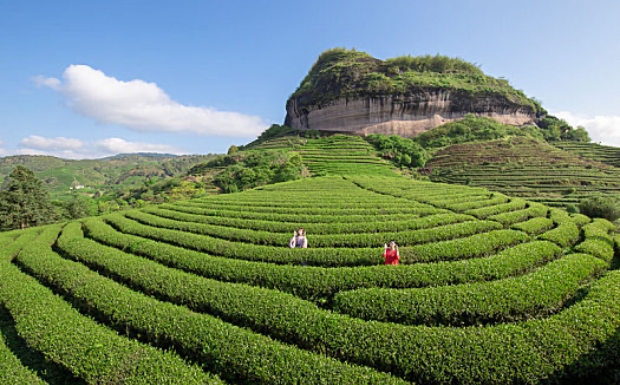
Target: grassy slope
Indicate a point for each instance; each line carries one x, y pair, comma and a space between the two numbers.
604, 154
334, 155
525, 168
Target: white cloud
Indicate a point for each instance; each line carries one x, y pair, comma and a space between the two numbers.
143, 106
120, 146
58, 144
603, 129
69, 148
42, 81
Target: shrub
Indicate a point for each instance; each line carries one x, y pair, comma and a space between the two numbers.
600, 207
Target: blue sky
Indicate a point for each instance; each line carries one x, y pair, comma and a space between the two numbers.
89, 79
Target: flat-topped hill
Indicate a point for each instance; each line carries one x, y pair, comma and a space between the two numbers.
350, 91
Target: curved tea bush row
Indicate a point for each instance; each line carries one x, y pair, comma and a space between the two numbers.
12, 371
377, 203
301, 281
580, 219
409, 209
478, 245
473, 246
484, 212
564, 235
308, 217
534, 226
413, 352
597, 240
410, 237
457, 200
542, 292
494, 199
327, 257
534, 210
234, 353
90, 351
412, 223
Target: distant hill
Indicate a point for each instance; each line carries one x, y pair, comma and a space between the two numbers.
101, 176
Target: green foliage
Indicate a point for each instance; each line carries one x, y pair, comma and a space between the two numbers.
428, 63
600, 207
91, 351
274, 131
212, 280
256, 168
232, 149
235, 353
24, 202
555, 129
504, 300
472, 129
401, 151
342, 73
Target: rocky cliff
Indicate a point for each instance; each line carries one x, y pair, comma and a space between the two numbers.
349, 91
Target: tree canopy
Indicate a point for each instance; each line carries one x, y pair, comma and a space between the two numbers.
24, 202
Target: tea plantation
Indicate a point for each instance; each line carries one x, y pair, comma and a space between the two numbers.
490, 290
534, 170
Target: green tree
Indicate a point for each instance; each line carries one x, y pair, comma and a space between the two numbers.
232, 149
80, 207
600, 207
24, 202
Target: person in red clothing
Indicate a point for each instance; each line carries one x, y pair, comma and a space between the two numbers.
390, 253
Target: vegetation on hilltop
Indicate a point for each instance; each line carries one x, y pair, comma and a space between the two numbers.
472, 129
342, 73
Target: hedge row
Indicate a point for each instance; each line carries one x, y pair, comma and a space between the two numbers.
580, 219
326, 257
484, 212
455, 200
376, 204
494, 199
12, 370
236, 354
565, 234
478, 245
411, 237
92, 352
309, 217
533, 210
534, 226
519, 298
331, 227
292, 210
597, 240
529, 352
302, 281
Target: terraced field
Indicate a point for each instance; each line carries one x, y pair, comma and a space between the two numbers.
604, 154
524, 168
490, 290
335, 155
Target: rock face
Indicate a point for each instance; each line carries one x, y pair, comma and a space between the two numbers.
349, 91
394, 116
